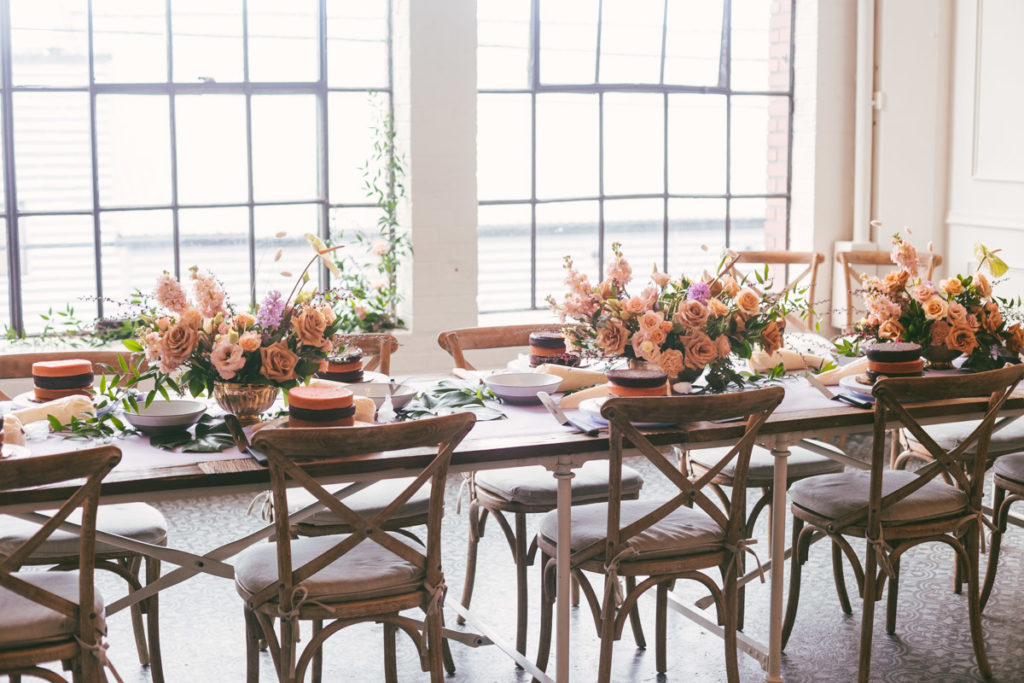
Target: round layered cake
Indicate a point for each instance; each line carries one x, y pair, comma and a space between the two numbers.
347, 367
549, 347
637, 383
54, 379
894, 359
321, 406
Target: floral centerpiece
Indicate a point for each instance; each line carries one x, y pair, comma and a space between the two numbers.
953, 317
210, 347
682, 325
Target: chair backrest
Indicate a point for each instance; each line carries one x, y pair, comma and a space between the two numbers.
19, 365
965, 464
688, 411
377, 348
779, 260
92, 465
455, 342
441, 435
874, 259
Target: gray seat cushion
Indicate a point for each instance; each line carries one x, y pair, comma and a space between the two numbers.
950, 435
802, 463
366, 571
367, 502
685, 531
835, 495
138, 521
537, 486
24, 622
1011, 467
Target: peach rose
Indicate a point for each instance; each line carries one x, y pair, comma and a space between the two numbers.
607, 289
935, 308
891, 329
724, 347
771, 338
179, 342
693, 313
717, 308
671, 362
1015, 338
748, 301
249, 341
651, 320
660, 279
227, 358
612, 338
645, 348
952, 286
956, 313
981, 283
244, 321
961, 338
940, 331
700, 350
191, 317
729, 284
923, 292
895, 281
278, 362
163, 323
633, 306
309, 326
991, 318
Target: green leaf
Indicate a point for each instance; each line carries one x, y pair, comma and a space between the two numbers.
55, 424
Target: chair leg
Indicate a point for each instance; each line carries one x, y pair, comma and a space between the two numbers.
729, 623
133, 565
390, 653
998, 519
152, 610
608, 613
974, 599
840, 579
434, 648
661, 628
894, 589
476, 530
547, 605
574, 591
252, 637
522, 587
868, 618
794, 582
634, 616
318, 655
446, 653
286, 663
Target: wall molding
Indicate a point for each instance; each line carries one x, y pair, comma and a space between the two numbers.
985, 221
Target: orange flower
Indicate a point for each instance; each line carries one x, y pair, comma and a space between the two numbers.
176, 346
991, 318
249, 341
952, 286
771, 338
895, 281
278, 362
700, 350
748, 301
671, 362
934, 308
962, 338
940, 332
309, 326
692, 313
892, 329
724, 348
645, 348
612, 338
191, 317
1015, 340
717, 308
982, 284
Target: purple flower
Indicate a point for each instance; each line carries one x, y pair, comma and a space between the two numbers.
699, 291
271, 310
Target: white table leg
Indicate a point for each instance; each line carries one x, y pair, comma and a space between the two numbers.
564, 475
778, 551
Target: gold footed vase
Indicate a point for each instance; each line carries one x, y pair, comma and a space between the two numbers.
245, 401
939, 357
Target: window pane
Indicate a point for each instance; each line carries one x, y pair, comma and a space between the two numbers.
503, 258
760, 45
567, 136
137, 247
211, 148
217, 240
53, 160
757, 223
5, 279
759, 144
696, 138
568, 41
565, 228
295, 222
49, 47
357, 48
631, 40
694, 224
351, 118
134, 145
639, 225
129, 41
503, 146
282, 40
58, 267
693, 42
284, 147
634, 144
207, 40
503, 39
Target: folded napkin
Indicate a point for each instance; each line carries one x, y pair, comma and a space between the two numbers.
832, 377
572, 401
572, 378
760, 361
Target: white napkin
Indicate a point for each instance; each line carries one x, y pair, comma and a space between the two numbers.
572, 378
832, 377
760, 361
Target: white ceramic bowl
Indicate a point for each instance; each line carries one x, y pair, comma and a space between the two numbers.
164, 417
378, 391
521, 387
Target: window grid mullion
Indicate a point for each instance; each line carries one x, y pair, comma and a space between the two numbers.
11, 201
94, 169
248, 153
172, 114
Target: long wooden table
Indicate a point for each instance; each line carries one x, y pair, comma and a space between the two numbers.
528, 437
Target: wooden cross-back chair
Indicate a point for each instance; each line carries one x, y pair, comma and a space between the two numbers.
898, 510
377, 348
662, 540
851, 260
138, 521
42, 615
369, 575
808, 277
523, 490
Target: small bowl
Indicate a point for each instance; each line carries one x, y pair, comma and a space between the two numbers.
378, 391
166, 417
521, 387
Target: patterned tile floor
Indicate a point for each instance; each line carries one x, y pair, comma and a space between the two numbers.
201, 620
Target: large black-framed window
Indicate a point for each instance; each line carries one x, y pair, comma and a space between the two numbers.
148, 135
662, 125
